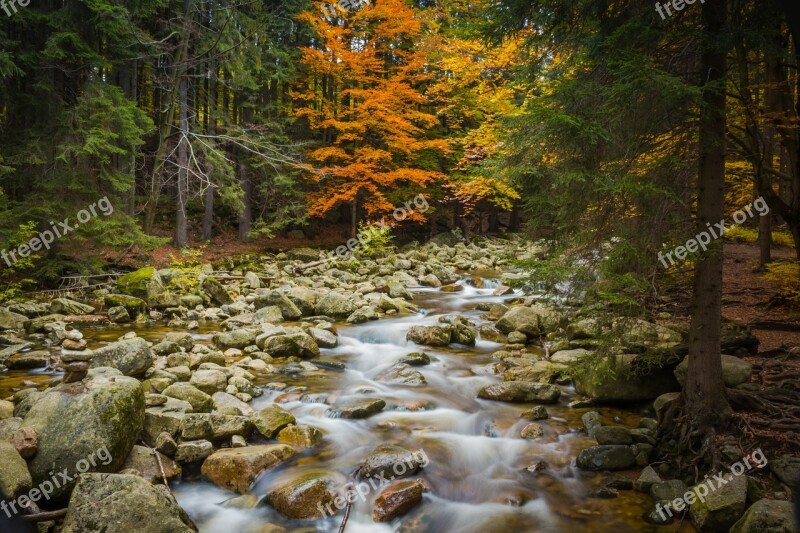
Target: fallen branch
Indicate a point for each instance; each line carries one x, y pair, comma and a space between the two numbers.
45, 516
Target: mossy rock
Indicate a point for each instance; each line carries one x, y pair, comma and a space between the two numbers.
144, 283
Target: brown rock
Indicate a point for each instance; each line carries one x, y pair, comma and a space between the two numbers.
26, 442
70, 344
398, 498
236, 468
76, 371
303, 436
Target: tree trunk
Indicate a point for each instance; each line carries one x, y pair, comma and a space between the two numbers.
181, 234
211, 95
168, 118
246, 216
354, 218
704, 393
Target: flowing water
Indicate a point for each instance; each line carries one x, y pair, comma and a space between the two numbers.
478, 465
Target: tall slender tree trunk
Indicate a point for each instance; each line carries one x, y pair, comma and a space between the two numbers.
246, 216
168, 117
208, 215
181, 233
704, 393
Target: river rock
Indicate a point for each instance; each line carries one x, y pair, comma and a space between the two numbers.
521, 392
228, 404
302, 436
735, 371
131, 357
626, 385
28, 360
363, 314
209, 381
216, 291
132, 305
398, 498
6, 409
613, 435
238, 338
402, 374
144, 461
129, 503
199, 400
306, 495
358, 408
722, 507
323, 338
390, 461
15, 479
10, 320
335, 305
289, 311
74, 421
416, 359
522, 319
144, 283
193, 451
767, 516
569, 357
606, 457
65, 306
532, 431
539, 372
270, 420
236, 469
430, 335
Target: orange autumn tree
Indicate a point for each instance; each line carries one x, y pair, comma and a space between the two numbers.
364, 99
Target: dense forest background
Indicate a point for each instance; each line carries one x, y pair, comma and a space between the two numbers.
202, 120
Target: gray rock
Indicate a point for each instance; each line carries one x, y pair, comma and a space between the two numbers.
216, 291
767, 516
199, 400
335, 305
606, 457
270, 420
521, 391
735, 371
129, 503
65, 306
73, 422
358, 408
722, 507
431, 335
15, 479
613, 435
522, 319
131, 357
401, 374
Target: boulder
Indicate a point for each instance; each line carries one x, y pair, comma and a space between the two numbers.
569, 357
228, 404
722, 507
144, 461
15, 479
209, 381
431, 335
358, 408
306, 495
402, 374
65, 306
398, 498
132, 305
216, 291
613, 435
131, 357
11, 320
522, 319
270, 420
238, 338
772, 516
390, 461
236, 469
521, 392
28, 360
129, 503
193, 451
288, 309
625, 385
144, 283
606, 457
735, 371
302, 436
95, 422
539, 372
335, 305
199, 400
